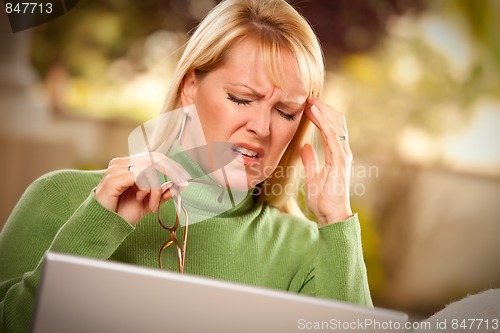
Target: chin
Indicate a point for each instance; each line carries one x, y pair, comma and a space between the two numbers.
230, 171
234, 177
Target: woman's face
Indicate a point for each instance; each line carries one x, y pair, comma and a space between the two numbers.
238, 103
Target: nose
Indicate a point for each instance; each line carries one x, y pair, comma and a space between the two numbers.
259, 122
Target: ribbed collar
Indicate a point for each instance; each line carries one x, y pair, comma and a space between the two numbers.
200, 200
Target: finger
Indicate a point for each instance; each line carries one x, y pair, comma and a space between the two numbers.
313, 174
162, 163
117, 176
342, 132
333, 116
149, 182
169, 190
166, 185
317, 119
309, 160
142, 183
155, 192
141, 195
333, 146
168, 194
338, 121
113, 184
347, 147
145, 167
311, 116
173, 171
119, 161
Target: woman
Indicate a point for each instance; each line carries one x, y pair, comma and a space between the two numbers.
253, 71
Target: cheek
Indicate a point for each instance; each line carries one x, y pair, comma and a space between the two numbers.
211, 114
220, 119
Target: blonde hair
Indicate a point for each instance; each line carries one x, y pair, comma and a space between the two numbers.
276, 26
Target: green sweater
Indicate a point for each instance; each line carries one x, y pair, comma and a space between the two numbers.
252, 243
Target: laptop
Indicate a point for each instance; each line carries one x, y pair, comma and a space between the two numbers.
85, 295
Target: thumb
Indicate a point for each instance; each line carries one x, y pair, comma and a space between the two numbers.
309, 160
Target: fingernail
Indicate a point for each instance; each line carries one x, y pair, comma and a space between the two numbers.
315, 109
165, 186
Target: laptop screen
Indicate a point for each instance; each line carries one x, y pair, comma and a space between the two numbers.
85, 295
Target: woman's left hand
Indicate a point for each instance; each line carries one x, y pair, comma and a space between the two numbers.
328, 187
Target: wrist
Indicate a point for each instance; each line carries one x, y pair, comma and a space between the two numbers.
334, 218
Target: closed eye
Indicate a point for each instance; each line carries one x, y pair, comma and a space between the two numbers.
238, 101
287, 116
245, 102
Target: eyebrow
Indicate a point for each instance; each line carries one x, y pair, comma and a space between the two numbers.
254, 92
260, 95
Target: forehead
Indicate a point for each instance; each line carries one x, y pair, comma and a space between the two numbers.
246, 62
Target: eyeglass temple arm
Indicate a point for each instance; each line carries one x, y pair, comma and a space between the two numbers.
184, 241
181, 253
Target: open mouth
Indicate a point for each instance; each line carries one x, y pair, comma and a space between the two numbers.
247, 154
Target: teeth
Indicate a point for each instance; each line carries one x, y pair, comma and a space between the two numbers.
246, 152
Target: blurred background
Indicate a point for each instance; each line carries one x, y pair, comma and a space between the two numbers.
418, 80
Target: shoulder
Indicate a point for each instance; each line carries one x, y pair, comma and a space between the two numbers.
55, 196
68, 183
71, 174
292, 239
291, 225
71, 179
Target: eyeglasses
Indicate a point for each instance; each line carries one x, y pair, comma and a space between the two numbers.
181, 250
150, 136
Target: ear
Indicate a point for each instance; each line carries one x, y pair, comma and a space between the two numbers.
188, 88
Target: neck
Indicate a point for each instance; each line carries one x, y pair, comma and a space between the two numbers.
204, 197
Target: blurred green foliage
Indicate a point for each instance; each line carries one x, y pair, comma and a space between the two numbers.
85, 45
427, 75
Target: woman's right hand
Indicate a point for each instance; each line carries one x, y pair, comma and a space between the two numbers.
131, 186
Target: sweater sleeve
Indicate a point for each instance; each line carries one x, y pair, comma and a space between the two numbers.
338, 270
45, 219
